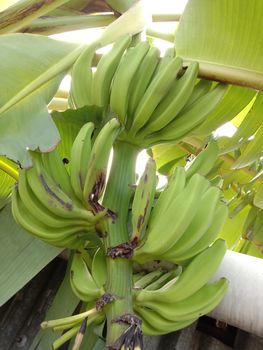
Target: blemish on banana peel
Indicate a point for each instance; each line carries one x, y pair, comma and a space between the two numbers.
104, 300
123, 250
95, 194
66, 205
141, 217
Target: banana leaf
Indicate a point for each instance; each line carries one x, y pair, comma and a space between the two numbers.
22, 256
31, 69
226, 38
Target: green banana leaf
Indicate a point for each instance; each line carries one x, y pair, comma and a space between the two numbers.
63, 305
28, 66
22, 256
234, 102
254, 148
166, 156
226, 38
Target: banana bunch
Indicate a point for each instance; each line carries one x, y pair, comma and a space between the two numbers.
60, 208
88, 276
168, 301
155, 98
185, 220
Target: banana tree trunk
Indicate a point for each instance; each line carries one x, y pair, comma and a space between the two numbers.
243, 304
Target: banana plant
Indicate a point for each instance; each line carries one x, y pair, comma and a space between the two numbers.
141, 259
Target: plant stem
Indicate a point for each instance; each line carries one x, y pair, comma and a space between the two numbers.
24, 12
9, 170
167, 36
119, 271
55, 25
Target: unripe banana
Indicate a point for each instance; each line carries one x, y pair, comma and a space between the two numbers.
189, 118
165, 278
174, 187
81, 78
79, 159
65, 237
123, 77
58, 172
159, 325
97, 166
209, 236
204, 161
99, 268
105, 71
147, 279
157, 89
195, 306
143, 200
195, 275
142, 80
50, 194
184, 206
198, 226
81, 280
200, 89
173, 102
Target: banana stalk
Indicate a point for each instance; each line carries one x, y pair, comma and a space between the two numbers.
119, 271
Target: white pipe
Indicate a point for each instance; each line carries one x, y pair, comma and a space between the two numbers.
242, 306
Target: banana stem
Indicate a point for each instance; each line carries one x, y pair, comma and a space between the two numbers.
55, 25
9, 170
119, 271
24, 12
167, 36
69, 320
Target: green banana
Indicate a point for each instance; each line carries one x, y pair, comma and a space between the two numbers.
174, 187
61, 237
81, 77
147, 279
99, 268
58, 171
166, 59
97, 166
204, 161
200, 89
42, 213
165, 278
195, 306
198, 226
81, 280
105, 71
173, 102
143, 200
191, 117
79, 159
142, 80
51, 196
121, 84
209, 236
195, 275
159, 325
183, 208
156, 91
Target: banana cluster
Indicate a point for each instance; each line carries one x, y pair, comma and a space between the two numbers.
154, 97
172, 300
60, 208
88, 276
186, 218
179, 227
